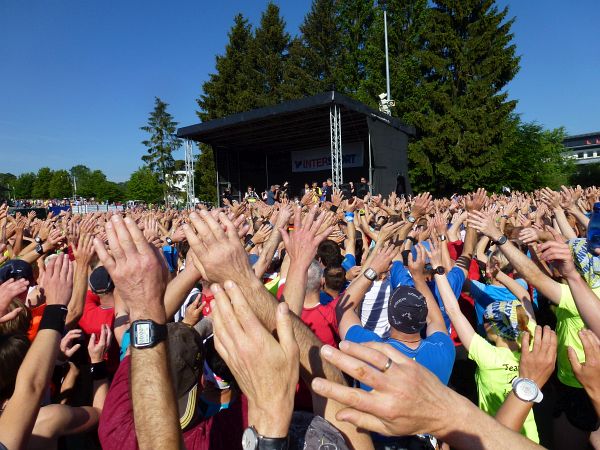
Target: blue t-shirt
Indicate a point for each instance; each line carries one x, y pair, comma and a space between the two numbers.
400, 276
270, 198
436, 352
171, 255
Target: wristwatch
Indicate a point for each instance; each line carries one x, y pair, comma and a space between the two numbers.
412, 219
147, 333
439, 270
39, 249
169, 240
501, 240
526, 390
370, 274
38, 239
251, 440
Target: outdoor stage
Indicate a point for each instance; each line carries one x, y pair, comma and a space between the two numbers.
324, 136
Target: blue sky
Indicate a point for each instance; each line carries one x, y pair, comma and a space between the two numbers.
79, 78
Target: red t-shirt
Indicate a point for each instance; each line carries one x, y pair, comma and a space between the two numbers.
321, 319
116, 429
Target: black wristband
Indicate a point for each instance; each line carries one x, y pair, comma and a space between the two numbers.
54, 318
99, 371
333, 208
413, 240
405, 254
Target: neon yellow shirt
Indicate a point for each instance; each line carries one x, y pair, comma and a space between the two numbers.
568, 324
497, 367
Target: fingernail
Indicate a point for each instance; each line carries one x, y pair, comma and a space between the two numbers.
344, 345
317, 384
215, 288
229, 284
326, 350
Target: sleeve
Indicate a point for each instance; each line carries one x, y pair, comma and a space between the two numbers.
358, 334
567, 302
456, 278
399, 275
482, 352
349, 262
477, 290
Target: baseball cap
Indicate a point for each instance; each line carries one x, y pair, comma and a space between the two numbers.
100, 281
587, 264
407, 310
186, 357
16, 269
502, 317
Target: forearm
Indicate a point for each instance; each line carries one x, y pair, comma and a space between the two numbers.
463, 327
18, 418
586, 301
470, 241
18, 245
295, 287
563, 223
178, 289
435, 320
513, 412
152, 391
580, 216
100, 393
480, 249
77, 303
33, 256
266, 256
446, 260
518, 291
29, 248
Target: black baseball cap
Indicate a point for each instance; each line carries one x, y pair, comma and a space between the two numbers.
16, 269
407, 310
100, 281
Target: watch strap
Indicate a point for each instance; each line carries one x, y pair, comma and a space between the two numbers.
265, 443
501, 240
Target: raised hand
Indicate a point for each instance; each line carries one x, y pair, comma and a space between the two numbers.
476, 201
484, 223
84, 252
57, 284
68, 347
97, 350
11, 289
588, 373
384, 257
302, 244
266, 369
422, 203
538, 363
138, 271
193, 313
550, 198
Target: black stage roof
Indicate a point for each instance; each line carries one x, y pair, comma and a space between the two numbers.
296, 124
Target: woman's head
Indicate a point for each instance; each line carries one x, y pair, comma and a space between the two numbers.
13, 348
505, 321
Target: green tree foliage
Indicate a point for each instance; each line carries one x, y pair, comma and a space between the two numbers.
467, 61
234, 87
60, 185
162, 143
586, 175
41, 185
111, 192
205, 175
144, 185
534, 158
269, 52
24, 185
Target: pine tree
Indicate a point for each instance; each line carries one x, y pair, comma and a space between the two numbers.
162, 143
269, 52
467, 61
234, 87
314, 56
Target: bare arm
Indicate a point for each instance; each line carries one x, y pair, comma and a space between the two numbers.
518, 291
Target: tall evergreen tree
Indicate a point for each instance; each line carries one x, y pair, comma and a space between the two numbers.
162, 143
314, 56
269, 52
24, 185
467, 61
234, 87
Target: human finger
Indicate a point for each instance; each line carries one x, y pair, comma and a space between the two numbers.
123, 235
10, 315
113, 241
226, 322
362, 420
285, 332
241, 309
354, 367
374, 357
229, 228
211, 223
137, 237
106, 260
354, 397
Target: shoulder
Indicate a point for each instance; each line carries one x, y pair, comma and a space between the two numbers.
356, 333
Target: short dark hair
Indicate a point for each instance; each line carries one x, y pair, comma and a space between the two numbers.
13, 348
329, 253
19, 324
335, 277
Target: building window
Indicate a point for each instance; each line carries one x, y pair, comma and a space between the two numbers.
580, 155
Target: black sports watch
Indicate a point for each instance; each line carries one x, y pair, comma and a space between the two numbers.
251, 440
501, 240
169, 240
439, 270
39, 249
147, 333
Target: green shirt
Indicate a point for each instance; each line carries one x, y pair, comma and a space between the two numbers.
568, 324
497, 367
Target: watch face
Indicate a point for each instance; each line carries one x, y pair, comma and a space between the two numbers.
370, 274
249, 439
142, 334
526, 390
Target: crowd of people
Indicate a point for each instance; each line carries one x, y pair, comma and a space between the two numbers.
340, 321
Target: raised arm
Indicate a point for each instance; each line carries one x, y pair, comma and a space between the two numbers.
84, 252
18, 418
269, 248
520, 262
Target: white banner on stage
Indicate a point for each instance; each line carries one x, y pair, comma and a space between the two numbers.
320, 158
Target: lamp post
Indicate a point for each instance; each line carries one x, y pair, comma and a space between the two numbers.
385, 99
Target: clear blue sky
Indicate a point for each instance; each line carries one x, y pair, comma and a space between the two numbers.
79, 78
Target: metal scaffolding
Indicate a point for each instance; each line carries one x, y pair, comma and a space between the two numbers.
335, 126
189, 174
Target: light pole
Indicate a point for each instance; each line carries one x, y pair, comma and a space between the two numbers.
385, 99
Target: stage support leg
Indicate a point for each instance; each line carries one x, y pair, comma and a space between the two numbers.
189, 173
335, 127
